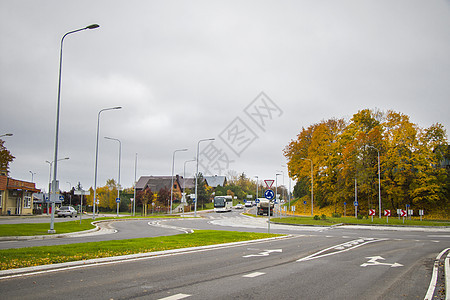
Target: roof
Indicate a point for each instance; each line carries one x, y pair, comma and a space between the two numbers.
7, 183
187, 183
215, 181
155, 183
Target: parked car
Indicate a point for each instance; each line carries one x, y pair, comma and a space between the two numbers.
66, 211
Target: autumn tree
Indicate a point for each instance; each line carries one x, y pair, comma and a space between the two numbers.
5, 158
411, 161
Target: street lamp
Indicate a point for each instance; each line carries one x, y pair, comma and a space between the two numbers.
134, 192
50, 178
32, 175
118, 177
173, 165
379, 182
6, 134
184, 178
96, 158
312, 186
54, 187
257, 194
196, 174
276, 189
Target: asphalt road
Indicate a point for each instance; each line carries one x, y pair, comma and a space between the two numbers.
311, 263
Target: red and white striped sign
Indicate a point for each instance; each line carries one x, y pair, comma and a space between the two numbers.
402, 213
371, 212
387, 213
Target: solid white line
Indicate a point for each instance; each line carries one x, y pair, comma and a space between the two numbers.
254, 274
175, 297
447, 277
434, 275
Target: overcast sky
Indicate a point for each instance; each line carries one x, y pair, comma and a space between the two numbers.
250, 74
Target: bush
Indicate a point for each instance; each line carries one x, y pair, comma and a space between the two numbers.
323, 217
316, 217
360, 217
336, 215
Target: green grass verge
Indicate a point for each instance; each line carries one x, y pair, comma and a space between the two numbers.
30, 229
350, 220
34, 256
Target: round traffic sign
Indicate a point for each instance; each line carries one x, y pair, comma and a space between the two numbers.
269, 194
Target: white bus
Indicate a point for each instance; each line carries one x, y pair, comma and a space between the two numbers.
223, 203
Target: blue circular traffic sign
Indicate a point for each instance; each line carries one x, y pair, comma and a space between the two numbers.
269, 194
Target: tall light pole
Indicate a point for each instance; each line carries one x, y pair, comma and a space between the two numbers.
276, 189
96, 158
173, 166
50, 177
312, 186
6, 134
257, 195
184, 178
196, 174
379, 182
32, 175
134, 192
54, 185
118, 177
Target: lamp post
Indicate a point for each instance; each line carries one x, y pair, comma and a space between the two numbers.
171, 187
257, 195
54, 185
96, 158
312, 186
118, 177
196, 174
134, 192
6, 134
50, 177
32, 175
184, 178
379, 182
276, 189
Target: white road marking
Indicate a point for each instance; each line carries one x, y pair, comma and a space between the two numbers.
432, 286
264, 253
254, 274
373, 261
176, 297
439, 236
447, 277
340, 248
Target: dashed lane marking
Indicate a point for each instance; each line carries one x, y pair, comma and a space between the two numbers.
254, 274
176, 297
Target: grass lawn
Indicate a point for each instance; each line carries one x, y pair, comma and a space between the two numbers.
351, 220
34, 256
29, 229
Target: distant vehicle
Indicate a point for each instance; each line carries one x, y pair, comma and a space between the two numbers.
223, 203
263, 207
239, 206
66, 211
248, 203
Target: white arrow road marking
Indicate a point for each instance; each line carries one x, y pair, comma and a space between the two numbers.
264, 253
373, 261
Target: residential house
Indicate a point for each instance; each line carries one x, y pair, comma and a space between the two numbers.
16, 196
